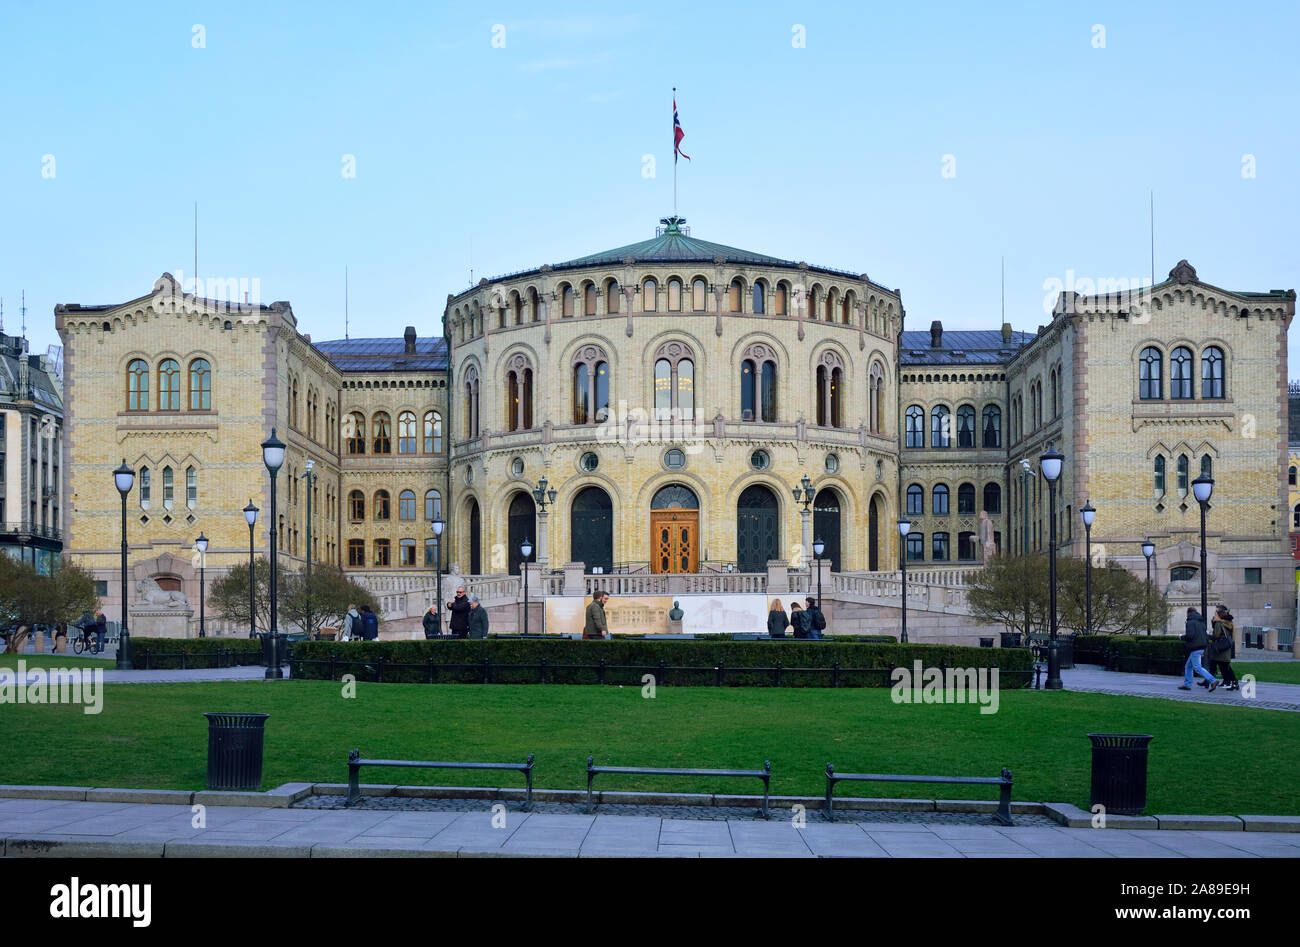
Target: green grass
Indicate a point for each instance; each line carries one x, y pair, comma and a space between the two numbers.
154, 736
47, 660
1278, 672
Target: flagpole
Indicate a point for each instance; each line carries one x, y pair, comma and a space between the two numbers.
674, 151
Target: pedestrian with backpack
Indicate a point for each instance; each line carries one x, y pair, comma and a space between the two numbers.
815, 617
1194, 641
1222, 647
369, 624
800, 621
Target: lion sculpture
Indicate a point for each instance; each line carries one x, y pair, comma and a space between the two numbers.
152, 593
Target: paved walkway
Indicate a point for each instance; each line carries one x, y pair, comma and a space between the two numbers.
81, 829
1268, 696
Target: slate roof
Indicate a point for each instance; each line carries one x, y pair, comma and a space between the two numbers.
979, 347
386, 354
46, 389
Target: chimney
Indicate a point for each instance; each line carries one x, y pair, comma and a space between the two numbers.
936, 334
410, 340
1006, 332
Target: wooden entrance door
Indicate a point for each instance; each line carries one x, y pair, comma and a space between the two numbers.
674, 540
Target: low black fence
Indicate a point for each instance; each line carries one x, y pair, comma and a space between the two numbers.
184, 661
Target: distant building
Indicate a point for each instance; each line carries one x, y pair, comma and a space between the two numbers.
31, 446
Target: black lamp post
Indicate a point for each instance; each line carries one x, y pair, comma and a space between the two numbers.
1202, 488
250, 517
273, 457
819, 547
1088, 514
1050, 465
124, 479
1148, 550
310, 478
437, 525
904, 527
525, 550
201, 544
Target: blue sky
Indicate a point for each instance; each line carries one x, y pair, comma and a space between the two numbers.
502, 158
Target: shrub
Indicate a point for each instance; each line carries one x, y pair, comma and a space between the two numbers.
165, 653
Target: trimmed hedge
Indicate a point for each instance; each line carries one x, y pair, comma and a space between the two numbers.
164, 654
686, 663
1137, 654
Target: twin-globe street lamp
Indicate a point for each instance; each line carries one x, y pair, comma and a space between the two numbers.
1050, 464
201, 544
124, 479
904, 527
250, 517
273, 457
1148, 550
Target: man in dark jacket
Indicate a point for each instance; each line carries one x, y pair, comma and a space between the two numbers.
369, 624
432, 625
478, 619
816, 620
1194, 641
459, 608
595, 624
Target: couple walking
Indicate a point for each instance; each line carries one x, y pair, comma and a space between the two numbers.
1218, 642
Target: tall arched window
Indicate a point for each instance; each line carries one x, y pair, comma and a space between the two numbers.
992, 498
589, 300
1207, 466
1290, 476
650, 295
293, 401
830, 390
566, 309
192, 487
674, 392
471, 401
1182, 475
406, 552
590, 386
612, 296
782, 299
939, 499
432, 505
200, 385
992, 426
432, 432
406, 505
354, 429
758, 385
846, 309
406, 432
169, 488
876, 413
1180, 374
760, 297
137, 385
1212, 372
940, 426
698, 290
735, 294
169, 385
1150, 383
1295, 517
535, 305
674, 295
915, 500
663, 389
145, 488
966, 498
517, 307
383, 436
966, 426
383, 502
915, 426
519, 394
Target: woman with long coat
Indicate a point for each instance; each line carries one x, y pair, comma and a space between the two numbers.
777, 623
1222, 646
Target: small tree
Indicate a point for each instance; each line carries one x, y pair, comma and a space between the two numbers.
228, 595
1120, 603
1011, 591
321, 600
28, 598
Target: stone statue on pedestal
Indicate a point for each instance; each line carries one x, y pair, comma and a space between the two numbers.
988, 547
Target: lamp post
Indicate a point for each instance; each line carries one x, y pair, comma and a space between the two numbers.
525, 550
804, 494
819, 547
1088, 514
1148, 550
1202, 488
250, 517
904, 527
1025, 473
124, 479
273, 457
542, 495
438, 526
310, 478
201, 544
1050, 465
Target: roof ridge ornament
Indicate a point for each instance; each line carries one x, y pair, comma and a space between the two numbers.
1183, 273
672, 225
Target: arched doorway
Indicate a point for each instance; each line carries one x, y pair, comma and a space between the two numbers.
591, 529
475, 545
873, 535
674, 530
826, 524
758, 530
521, 523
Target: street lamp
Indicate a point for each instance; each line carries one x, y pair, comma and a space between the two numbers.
273, 457
804, 494
542, 495
310, 478
525, 550
1088, 514
201, 544
1025, 474
904, 527
437, 525
124, 479
1050, 465
1148, 550
819, 547
250, 517
1202, 487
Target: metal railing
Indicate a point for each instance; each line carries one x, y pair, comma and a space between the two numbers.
28, 528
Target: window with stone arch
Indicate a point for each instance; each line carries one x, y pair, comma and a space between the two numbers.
382, 426
735, 295
1150, 381
200, 385
1212, 372
406, 432
406, 505
674, 295
612, 296
830, 389
674, 383
992, 425
354, 431
876, 388
699, 295
939, 499
760, 297
1158, 475
966, 425
1182, 475
293, 401
137, 385
590, 385
650, 295
1180, 374
782, 298
1052, 388
169, 385
432, 505
432, 432
471, 401
589, 300
758, 379
915, 500
383, 505
567, 298
534, 306
940, 426
519, 393
846, 309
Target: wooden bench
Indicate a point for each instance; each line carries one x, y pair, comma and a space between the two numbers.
355, 762
765, 774
1003, 814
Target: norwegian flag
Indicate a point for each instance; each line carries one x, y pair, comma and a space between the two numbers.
678, 135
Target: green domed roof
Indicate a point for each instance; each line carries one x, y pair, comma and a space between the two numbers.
674, 245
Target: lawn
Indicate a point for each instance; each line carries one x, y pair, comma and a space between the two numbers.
1278, 672
48, 660
154, 736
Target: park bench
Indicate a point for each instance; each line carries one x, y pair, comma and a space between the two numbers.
355, 762
1003, 814
765, 774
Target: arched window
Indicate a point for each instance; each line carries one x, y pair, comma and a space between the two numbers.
1290, 476
829, 307
589, 300
1182, 475
748, 390
966, 426
1212, 372
966, 498
758, 385
200, 385
383, 433
846, 309
432, 432
406, 552
1180, 374
663, 390
566, 309
992, 426
169, 488
519, 394
992, 499
760, 297
137, 385
698, 289
432, 505
145, 488
674, 295
915, 500
169, 385
406, 505
191, 487
406, 432
1295, 517
612, 296
517, 306
293, 401
782, 299
940, 426
650, 295
734, 296
1160, 475
686, 389
915, 426
1150, 384
876, 409
939, 499
590, 386
471, 401
383, 503
1207, 466
535, 305
354, 430
674, 383
830, 390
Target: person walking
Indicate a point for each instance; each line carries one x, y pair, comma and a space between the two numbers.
351, 624
777, 623
1194, 641
1222, 646
816, 620
101, 632
431, 622
800, 621
369, 624
596, 625
459, 608
477, 619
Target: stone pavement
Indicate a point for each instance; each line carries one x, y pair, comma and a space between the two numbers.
1268, 696
87, 829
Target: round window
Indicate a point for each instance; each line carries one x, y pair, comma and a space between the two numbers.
517, 467
589, 462
832, 463
760, 460
469, 474
675, 459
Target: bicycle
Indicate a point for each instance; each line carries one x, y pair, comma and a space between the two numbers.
83, 643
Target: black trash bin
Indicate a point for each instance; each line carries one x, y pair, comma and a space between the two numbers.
986, 642
235, 751
1011, 639
1119, 772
